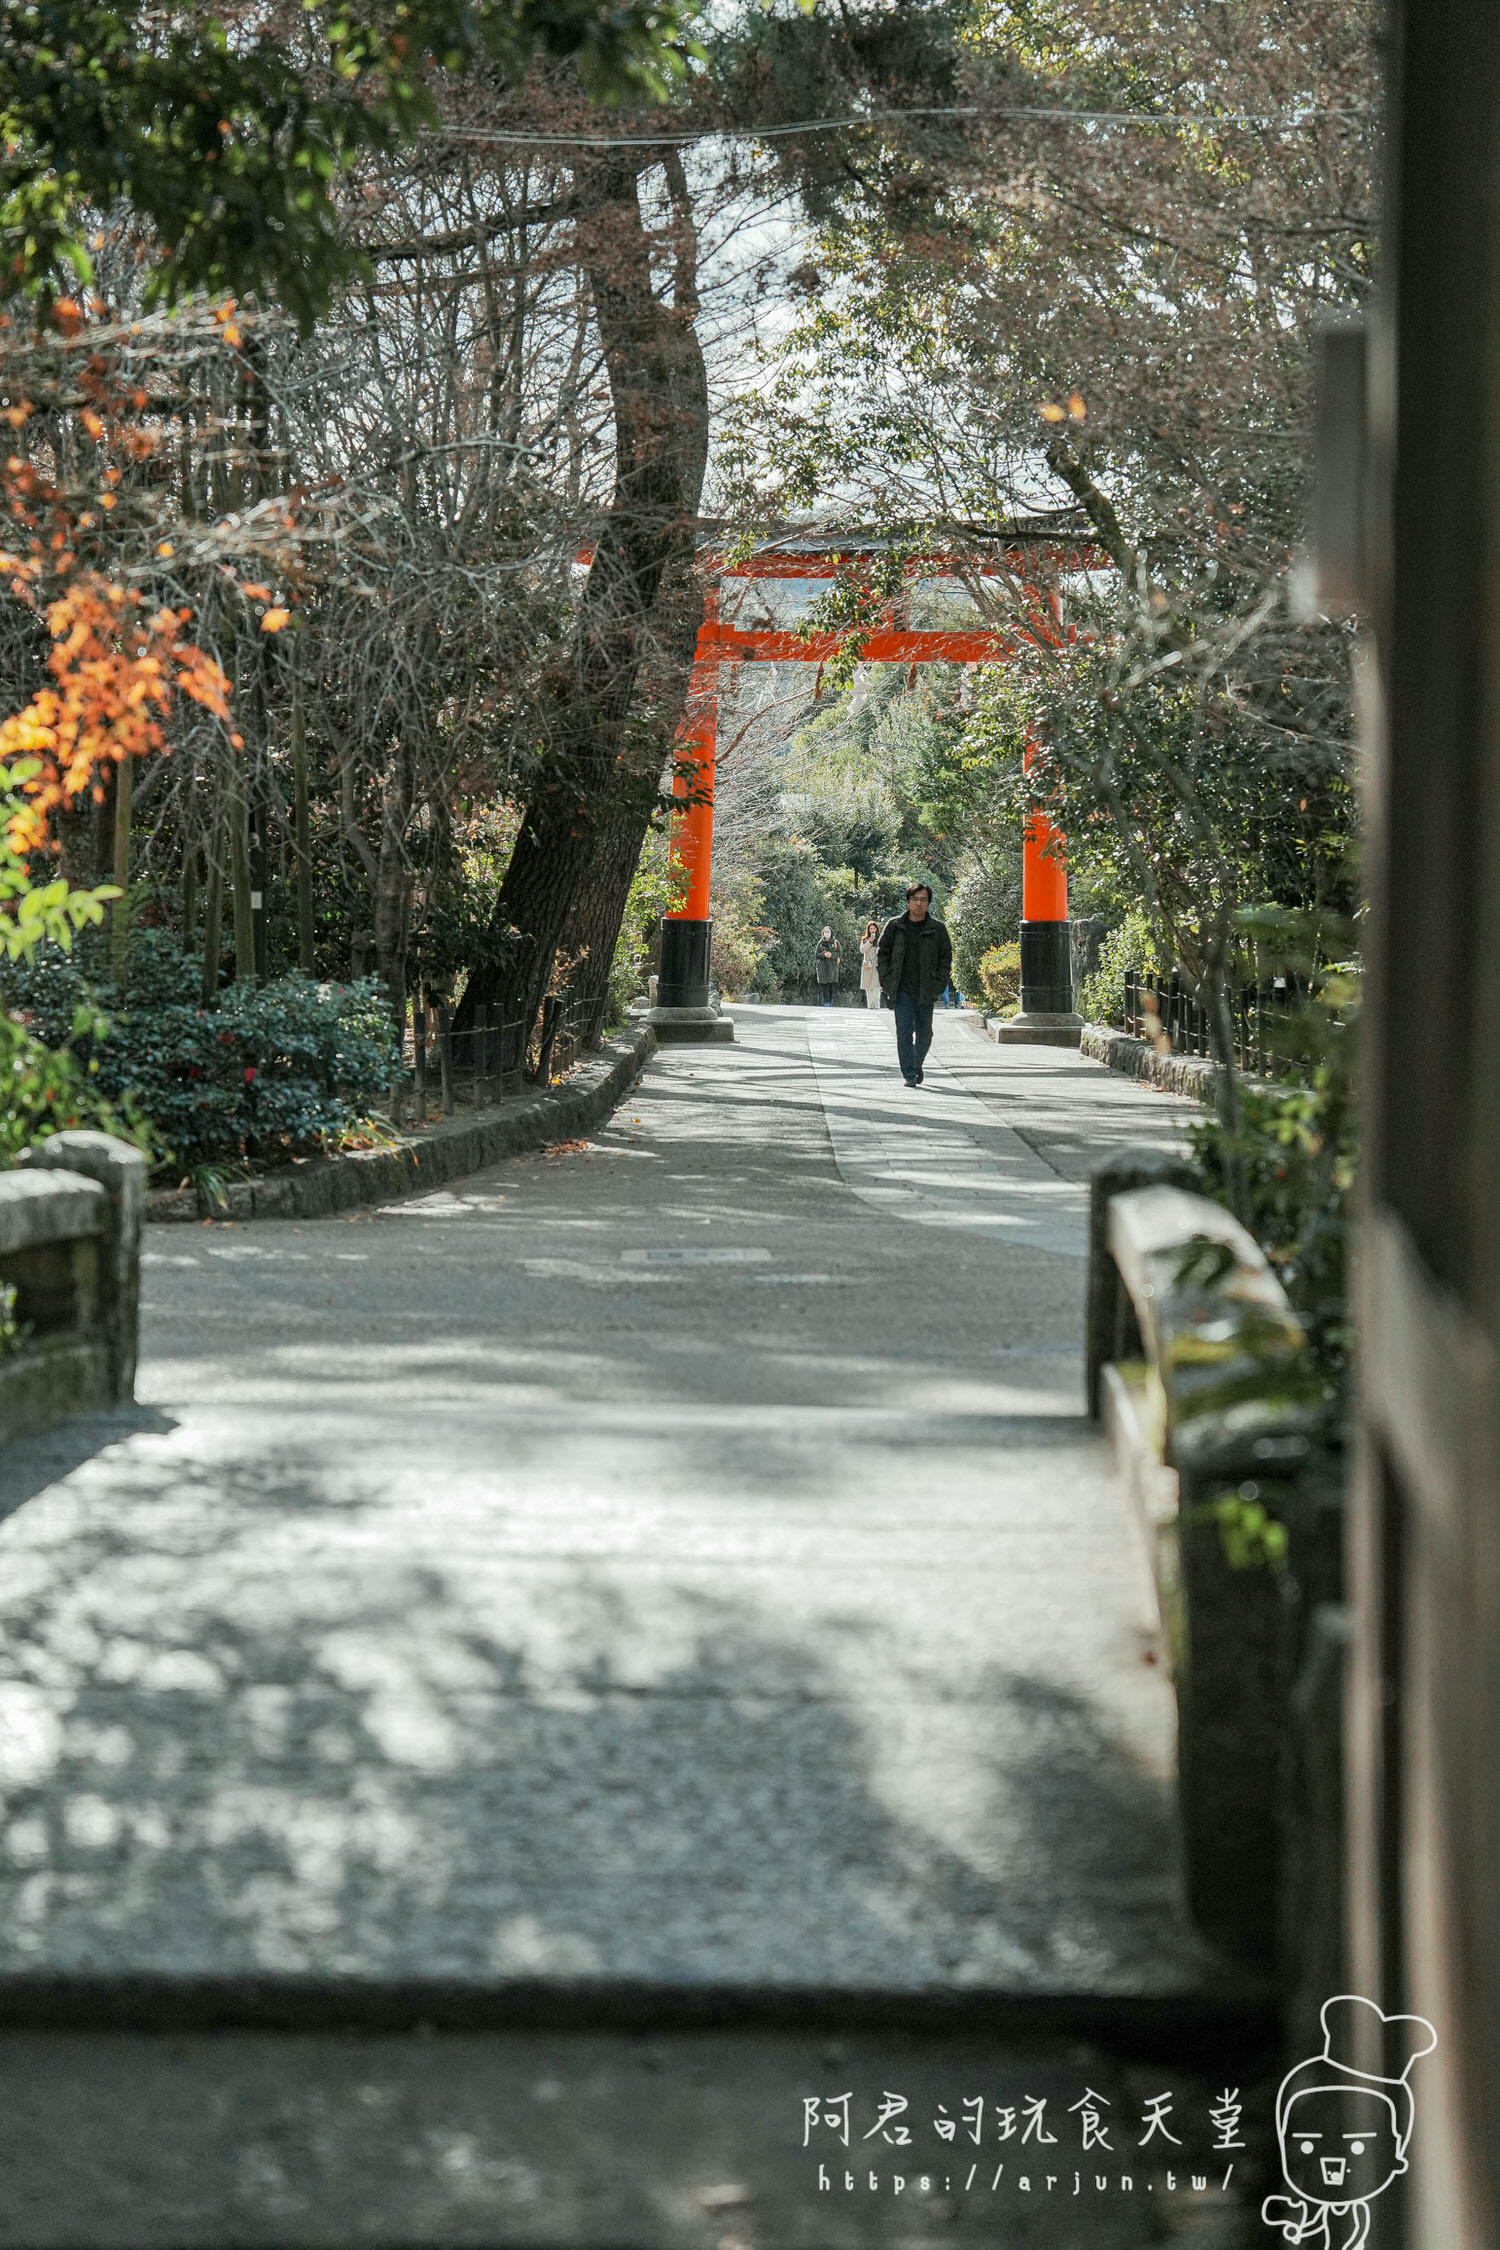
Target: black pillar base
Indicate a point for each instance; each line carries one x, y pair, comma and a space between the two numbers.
682, 981
1046, 969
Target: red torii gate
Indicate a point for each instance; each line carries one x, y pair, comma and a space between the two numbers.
1046, 971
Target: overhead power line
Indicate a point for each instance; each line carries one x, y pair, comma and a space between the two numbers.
1290, 122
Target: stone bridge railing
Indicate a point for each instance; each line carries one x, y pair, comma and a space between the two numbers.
1200, 1371
70, 1251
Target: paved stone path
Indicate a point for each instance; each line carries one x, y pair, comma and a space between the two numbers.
940, 1156
573, 2140
658, 1562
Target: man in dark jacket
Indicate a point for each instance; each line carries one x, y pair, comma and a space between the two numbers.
914, 961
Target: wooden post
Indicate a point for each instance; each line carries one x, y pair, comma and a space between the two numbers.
480, 1040
190, 871
258, 843
398, 1083
1424, 1550
445, 1056
213, 912
190, 861
119, 925
303, 832
239, 871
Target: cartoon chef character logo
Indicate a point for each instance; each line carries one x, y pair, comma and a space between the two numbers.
1344, 2131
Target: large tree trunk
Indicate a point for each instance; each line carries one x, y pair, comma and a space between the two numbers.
591, 805
593, 925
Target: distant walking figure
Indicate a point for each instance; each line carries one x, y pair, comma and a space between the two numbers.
915, 960
826, 964
869, 966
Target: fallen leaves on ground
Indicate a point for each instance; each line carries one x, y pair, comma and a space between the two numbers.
563, 1148
726, 2198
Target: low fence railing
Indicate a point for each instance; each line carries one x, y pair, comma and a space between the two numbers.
562, 1037
492, 1055
1157, 1007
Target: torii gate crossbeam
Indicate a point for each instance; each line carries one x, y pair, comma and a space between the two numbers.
683, 984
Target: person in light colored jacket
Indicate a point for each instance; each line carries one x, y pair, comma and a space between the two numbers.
869, 964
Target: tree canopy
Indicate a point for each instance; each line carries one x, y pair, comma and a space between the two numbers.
228, 133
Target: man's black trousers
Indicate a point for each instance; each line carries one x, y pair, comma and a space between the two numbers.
913, 1033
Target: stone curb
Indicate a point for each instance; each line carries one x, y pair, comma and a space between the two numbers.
326, 1185
1137, 1058
1223, 2000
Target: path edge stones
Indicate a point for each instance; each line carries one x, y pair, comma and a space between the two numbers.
414, 1163
1138, 1059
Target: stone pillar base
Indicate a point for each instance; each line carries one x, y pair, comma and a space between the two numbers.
686, 1026
1036, 1029
686, 949
1046, 970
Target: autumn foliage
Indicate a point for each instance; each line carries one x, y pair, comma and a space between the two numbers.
115, 671
117, 658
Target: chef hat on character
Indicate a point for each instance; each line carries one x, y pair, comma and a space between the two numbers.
1350, 2025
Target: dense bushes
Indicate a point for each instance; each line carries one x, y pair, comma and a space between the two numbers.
741, 934
827, 828
1286, 1168
656, 888
267, 1070
1131, 945
983, 912
801, 893
1283, 1155
1000, 978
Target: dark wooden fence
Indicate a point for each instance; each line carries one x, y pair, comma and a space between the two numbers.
1155, 1006
493, 1057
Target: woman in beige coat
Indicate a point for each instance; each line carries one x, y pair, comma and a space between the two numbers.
869, 974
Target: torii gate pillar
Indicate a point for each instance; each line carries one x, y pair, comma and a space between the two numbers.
1047, 1017
683, 1009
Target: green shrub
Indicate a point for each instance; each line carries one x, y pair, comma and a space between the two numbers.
1000, 978
49, 1089
657, 887
740, 934
1286, 1167
268, 1070
1130, 945
983, 913
799, 895
623, 990
33, 913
